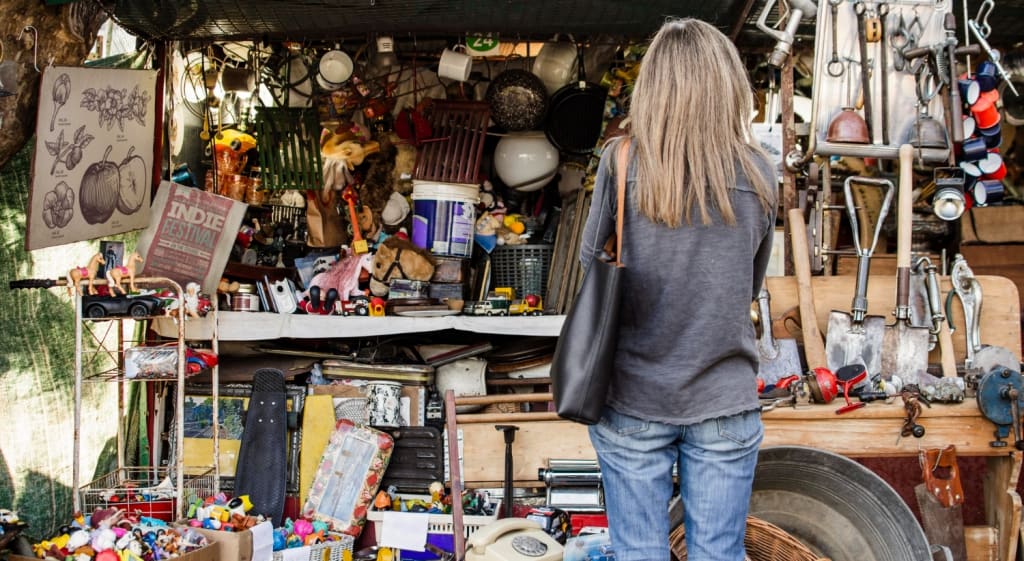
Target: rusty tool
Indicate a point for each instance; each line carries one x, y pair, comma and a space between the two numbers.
949, 388
778, 357
941, 499
814, 348
856, 338
904, 346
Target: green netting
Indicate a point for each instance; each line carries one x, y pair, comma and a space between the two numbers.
37, 374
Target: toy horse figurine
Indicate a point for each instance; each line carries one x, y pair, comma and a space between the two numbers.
76, 274
116, 274
398, 258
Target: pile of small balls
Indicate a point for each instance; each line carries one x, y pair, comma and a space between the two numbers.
220, 513
112, 534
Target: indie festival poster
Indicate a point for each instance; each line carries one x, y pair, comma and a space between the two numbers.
191, 235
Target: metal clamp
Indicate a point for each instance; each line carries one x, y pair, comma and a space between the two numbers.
967, 288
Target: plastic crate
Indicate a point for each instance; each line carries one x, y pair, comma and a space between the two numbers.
327, 551
523, 267
442, 523
148, 491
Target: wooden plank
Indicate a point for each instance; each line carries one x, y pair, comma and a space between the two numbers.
868, 432
982, 543
1000, 314
1002, 503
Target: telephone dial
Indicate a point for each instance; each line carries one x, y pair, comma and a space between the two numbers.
512, 539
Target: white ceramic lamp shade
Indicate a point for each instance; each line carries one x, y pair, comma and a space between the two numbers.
525, 161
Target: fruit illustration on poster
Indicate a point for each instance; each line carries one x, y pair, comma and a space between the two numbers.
59, 206
133, 183
100, 190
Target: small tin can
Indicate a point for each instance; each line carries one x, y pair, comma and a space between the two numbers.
245, 299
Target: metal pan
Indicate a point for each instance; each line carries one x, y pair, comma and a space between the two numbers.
856, 338
575, 113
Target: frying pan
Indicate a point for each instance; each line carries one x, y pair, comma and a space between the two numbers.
575, 113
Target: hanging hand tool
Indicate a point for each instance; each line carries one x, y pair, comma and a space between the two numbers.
904, 346
510, 437
835, 66
883, 58
856, 338
798, 9
860, 8
980, 29
814, 349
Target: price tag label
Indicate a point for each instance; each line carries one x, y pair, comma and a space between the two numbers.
482, 45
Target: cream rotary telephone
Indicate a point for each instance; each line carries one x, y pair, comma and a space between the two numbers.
512, 539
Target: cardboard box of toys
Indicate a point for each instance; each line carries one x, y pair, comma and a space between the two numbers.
211, 552
234, 546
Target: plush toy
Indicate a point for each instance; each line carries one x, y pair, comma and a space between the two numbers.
398, 258
404, 162
343, 276
341, 153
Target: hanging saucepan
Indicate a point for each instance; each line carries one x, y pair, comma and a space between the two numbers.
575, 113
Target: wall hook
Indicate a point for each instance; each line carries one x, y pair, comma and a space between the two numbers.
35, 44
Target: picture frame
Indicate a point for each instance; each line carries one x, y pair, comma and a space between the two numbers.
232, 402
113, 253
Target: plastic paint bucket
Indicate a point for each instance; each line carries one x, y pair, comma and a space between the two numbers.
443, 217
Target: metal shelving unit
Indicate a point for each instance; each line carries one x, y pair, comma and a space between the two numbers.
104, 361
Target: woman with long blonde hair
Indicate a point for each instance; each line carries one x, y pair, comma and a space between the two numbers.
697, 235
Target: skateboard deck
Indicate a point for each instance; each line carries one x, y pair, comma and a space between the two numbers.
261, 470
348, 477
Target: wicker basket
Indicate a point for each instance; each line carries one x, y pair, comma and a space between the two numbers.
327, 551
764, 542
523, 267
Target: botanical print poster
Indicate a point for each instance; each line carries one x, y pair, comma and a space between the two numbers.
92, 168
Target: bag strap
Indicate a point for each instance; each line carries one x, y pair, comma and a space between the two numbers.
621, 170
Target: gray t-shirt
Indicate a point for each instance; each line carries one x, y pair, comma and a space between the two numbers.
686, 349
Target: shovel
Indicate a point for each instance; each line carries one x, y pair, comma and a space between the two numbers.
905, 347
856, 338
779, 357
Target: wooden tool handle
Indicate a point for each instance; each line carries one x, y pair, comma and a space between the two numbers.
814, 346
905, 207
946, 350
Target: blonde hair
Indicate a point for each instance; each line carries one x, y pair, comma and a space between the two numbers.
690, 117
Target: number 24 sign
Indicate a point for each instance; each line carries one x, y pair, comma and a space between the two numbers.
482, 45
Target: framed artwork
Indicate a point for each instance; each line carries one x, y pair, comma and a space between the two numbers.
232, 403
92, 170
113, 255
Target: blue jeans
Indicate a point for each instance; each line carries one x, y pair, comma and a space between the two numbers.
717, 458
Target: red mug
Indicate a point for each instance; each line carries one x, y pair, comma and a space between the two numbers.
984, 110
